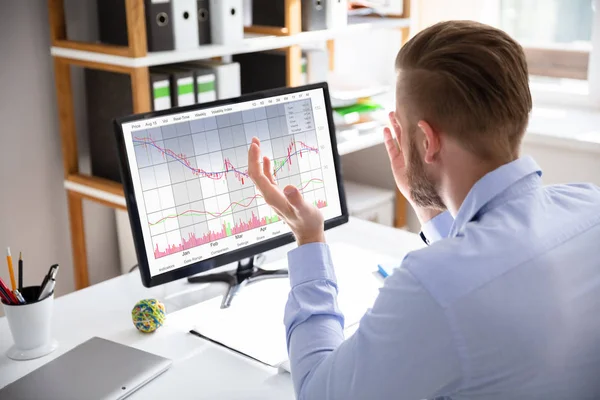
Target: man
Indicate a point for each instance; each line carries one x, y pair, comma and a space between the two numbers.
504, 303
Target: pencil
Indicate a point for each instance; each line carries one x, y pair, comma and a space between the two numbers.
11, 271
20, 271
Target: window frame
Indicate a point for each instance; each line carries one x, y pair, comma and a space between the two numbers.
551, 61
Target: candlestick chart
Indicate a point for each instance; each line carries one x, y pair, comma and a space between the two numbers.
194, 174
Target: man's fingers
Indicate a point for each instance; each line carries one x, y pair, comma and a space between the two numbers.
391, 144
255, 171
271, 193
394, 122
267, 170
294, 197
254, 161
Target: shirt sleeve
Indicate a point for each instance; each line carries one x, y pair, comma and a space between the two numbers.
437, 228
403, 348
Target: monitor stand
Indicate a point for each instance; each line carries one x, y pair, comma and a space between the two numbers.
245, 274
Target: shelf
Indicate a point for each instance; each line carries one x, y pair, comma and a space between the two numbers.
100, 190
251, 43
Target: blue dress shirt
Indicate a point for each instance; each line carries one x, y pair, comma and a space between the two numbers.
503, 304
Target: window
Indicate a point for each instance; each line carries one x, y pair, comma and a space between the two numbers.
561, 39
556, 34
558, 37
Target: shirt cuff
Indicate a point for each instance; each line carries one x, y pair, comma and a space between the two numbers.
310, 262
437, 228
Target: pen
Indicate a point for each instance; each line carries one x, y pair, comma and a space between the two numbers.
10, 269
382, 271
19, 296
20, 271
47, 290
48, 275
8, 293
4, 296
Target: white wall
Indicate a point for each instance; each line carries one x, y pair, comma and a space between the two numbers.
33, 207
33, 204
100, 225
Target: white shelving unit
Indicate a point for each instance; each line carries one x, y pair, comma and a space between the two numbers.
252, 43
134, 60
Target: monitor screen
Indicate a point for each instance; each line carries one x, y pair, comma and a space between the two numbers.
186, 174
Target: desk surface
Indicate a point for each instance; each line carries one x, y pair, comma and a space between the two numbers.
200, 369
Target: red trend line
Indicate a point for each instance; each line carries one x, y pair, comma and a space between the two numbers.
182, 158
218, 214
228, 166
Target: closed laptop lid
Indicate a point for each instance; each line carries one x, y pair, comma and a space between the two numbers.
96, 369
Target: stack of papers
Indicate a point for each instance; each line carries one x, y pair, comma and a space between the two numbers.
253, 324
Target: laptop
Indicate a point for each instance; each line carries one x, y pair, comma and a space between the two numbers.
96, 369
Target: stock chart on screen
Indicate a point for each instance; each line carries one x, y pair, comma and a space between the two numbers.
192, 184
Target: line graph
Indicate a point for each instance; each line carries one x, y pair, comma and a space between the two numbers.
244, 204
294, 148
194, 174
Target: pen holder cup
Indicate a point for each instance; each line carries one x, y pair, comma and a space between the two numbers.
31, 325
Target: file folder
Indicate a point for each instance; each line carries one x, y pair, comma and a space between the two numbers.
227, 21
227, 77
204, 19
159, 24
247, 8
112, 23
268, 12
182, 85
336, 14
317, 65
262, 70
185, 24
205, 88
108, 96
303, 70
204, 82
160, 90
314, 14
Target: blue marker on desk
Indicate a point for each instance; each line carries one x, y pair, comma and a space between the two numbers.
382, 271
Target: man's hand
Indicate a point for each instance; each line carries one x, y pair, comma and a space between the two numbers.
394, 150
304, 219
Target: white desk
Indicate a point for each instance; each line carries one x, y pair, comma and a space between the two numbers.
201, 370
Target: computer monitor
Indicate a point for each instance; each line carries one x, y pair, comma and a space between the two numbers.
192, 206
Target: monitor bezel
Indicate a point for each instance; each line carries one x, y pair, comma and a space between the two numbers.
236, 255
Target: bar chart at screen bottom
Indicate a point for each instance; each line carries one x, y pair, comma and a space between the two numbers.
194, 175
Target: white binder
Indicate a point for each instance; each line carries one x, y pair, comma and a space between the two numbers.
227, 76
161, 95
337, 13
227, 21
303, 70
185, 24
205, 88
317, 65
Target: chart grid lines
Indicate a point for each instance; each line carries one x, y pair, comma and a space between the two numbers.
194, 173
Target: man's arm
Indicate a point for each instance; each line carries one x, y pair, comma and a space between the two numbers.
403, 348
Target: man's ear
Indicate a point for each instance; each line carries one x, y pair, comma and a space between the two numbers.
431, 141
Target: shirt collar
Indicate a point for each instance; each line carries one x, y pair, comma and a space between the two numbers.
491, 186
